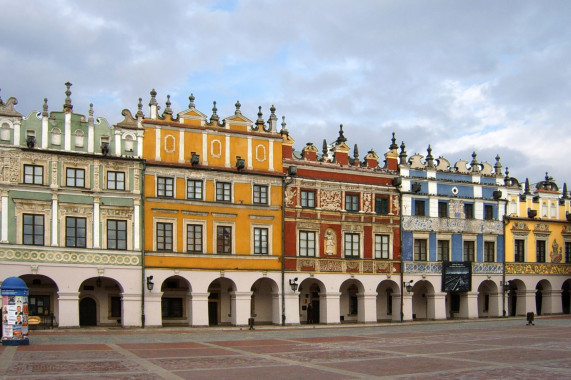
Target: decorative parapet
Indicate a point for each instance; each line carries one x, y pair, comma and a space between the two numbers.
487, 268
346, 266
538, 268
452, 225
423, 267
90, 258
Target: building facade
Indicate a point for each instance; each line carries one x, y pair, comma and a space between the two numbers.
213, 191
453, 237
70, 216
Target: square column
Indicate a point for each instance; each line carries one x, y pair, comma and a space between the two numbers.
240, 307
552, 302
329, 308
367, 306
406, 307
469, 305
495, 305
525, 302
68, 306
199, 309
153, 315
436, 306
291, 309
131, 310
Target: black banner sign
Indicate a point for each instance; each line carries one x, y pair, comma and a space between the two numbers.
456, 276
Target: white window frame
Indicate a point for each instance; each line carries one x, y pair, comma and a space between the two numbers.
186, 223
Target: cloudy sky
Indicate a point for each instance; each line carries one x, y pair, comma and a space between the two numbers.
487, 76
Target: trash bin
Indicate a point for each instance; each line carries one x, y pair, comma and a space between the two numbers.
14, 312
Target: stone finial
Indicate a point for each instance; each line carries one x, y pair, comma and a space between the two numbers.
429, 158
341, 138
526, 188
67, 105
356, 152
140, 109
214, 116
565, 193
191, 104
325, 148
474, 165
153, 100
260, 121
284, 130
394, 143
45, 107
272, 121
498, 165
238, 105
90, 118
402, 154
168, 109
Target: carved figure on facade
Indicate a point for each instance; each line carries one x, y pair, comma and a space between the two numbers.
556, 252
330, 200
330, 239
330, 266
367, 206
352, 266
290, 195
396, 205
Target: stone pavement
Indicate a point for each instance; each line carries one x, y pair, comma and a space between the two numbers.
482, 349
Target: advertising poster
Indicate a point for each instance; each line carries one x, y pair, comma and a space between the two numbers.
456, 276
14, 317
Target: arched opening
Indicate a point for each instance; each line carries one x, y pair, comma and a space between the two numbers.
488, 298
543, 298
388, 307
310, 304
175, 303
350, 302
221, 303
422, 305
103, 305
516, 298
42, 300
264, 304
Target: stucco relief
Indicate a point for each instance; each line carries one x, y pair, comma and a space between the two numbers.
330, 242
538, 269
290, 196
96, 172
457, 209
556, 252
10, 167
330, 200
396, 205
418, 224
367, 207
330, 266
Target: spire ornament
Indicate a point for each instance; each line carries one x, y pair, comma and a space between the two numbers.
394, 143
214, 116
45, 107
67, 105
140, 109
191, 104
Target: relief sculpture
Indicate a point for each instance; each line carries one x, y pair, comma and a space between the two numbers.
330, 200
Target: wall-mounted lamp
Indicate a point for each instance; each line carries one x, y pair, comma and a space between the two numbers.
31, 141
531, 213
497, 194
150, 283
506, 286
240, 163
292, 170
416, 187
194, 158
105, 148
293, 284
408, 285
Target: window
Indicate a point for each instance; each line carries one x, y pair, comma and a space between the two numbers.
75, 177
33, 233
165, 187
260, 195
519, 251
568, 252
164, 236
307, 243
513, 206
469, 210
420, 249
382, 205
223, 239
75, 232
488, 212
194, 238
194, 189
540, 251
308, 199
443, 209
34, 174
260, 241
381, 246
223, 192
489, 251
352, 245
351, 202
171, 307
116, 234
116, 180
39, 305
553, 211
115, 307
468, 251
419, 208
443, 250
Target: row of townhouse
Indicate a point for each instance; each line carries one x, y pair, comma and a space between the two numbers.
184, 219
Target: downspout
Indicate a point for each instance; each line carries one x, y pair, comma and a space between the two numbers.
283, 249
142, 242
401, 258
506, 219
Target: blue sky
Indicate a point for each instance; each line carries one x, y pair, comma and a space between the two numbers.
486, 76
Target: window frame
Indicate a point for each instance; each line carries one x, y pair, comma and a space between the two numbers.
488, 212
540, 250
76, 239
381, 205
567, 248
260, 194
307, 201
352, 201
419, 207
519, 250
469, 250
115, 181
382, 249
420, 251
468, 210
223, 192
439, 250
192, 235
224, 243
161, 228
261, 242
194, 186
307, 241
163, 184
117, 240
352, 248
74, 178
489, 256
443, 211
34, 175
34, 235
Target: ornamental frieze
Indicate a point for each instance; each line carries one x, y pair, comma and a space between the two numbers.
453, 225
121, 212
395, 210
10, 168
27, 205
330, 265
383, 267
75, 209
424, 267
352, 266
487, 268
69, 257
533, 268
330, 200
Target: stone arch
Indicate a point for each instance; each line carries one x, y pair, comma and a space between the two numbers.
566, 297
175, 301
489, 298
422, 304
388, 301
42, 298
351, 301
107, 294
312, 304
543, 297
265, 301
222, 302
516, 297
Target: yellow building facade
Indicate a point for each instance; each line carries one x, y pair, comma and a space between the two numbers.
538, 249
213, 217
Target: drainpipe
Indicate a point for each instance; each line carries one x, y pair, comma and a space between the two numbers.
401, 257
142, 238
286, 181
506, 219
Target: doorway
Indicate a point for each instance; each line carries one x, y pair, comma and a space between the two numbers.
213, 309
87, 312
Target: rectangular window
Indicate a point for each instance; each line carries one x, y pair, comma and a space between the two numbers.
489, 251
164, 237
568, 252
488, 212
382, 205
261, 241
33, 233
223, 192
34, 174
540, 251
116, 180
351, 202
307, 243
519, 251
75, 177
420, 249
469, 251
308, 199
115, 307
75, 232
443, 250
469, 210
116, 234
194, 238
39, 305
443, 209
194, 189
260, 195
171, 307
165, 187
224, 239
352, 245
419, 208
381, 246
